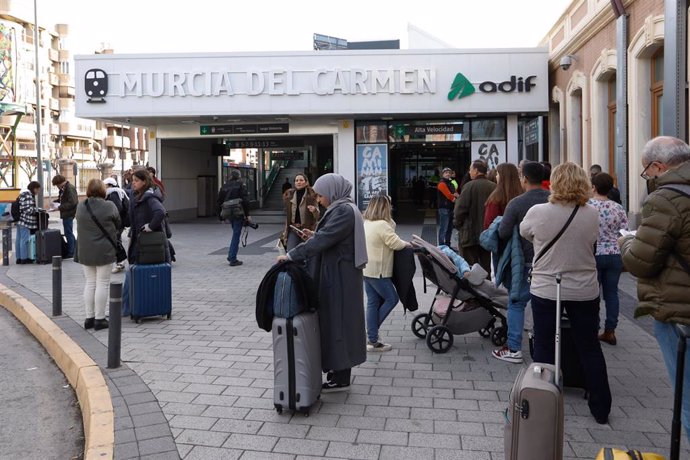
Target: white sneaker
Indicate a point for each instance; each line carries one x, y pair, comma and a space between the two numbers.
505, 354
378, 347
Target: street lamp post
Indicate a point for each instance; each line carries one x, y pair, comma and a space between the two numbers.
39, 158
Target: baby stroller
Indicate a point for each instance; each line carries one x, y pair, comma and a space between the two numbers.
473, 304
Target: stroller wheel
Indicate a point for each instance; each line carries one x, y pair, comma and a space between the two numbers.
484, 332
420, 325
439, 339
499, 336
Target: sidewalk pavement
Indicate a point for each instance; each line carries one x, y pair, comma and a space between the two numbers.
201, 384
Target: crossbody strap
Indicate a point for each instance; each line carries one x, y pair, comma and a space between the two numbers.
88, 208
551, 243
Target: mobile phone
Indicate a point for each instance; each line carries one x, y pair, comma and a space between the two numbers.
297, 230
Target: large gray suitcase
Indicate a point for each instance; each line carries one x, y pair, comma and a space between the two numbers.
534, 417
296, 362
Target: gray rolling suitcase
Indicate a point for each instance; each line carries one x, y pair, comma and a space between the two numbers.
534, 417
296, 362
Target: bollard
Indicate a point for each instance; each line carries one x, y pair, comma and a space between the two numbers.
57, 286
6, 245
115, 325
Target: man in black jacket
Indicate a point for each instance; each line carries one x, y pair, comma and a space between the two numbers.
232, 189
68, 200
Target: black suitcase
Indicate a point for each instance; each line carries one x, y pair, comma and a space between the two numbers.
42, 217
571, 367
48, 245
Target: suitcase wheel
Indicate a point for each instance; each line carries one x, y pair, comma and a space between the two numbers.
279, 408
499, 336
439, 339
420, 325
169, 315
484, 332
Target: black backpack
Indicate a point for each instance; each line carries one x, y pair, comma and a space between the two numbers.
15, 211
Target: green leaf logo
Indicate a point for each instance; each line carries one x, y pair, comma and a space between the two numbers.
460, 88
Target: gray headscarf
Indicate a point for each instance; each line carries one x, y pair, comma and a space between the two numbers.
338, 190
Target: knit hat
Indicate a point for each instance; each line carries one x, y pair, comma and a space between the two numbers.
110, 181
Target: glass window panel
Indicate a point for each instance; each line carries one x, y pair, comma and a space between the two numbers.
489, 129
370, 133
660, 113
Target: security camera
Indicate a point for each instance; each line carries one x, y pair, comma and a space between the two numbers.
566, 62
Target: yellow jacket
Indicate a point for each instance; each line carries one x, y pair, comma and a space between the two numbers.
381, 242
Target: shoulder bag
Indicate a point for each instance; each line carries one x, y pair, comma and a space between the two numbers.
120, 253
553, 241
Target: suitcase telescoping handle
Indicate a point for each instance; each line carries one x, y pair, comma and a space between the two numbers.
683, 335
557, 355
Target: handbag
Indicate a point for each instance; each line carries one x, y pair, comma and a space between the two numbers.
120, 253
232, 209
151, 248
608, 453
551, 243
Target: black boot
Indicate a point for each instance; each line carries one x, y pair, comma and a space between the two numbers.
88, 323
100, 324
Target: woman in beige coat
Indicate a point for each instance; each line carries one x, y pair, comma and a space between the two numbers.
301, 210
379, 229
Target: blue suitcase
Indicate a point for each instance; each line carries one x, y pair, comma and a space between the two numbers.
150, 291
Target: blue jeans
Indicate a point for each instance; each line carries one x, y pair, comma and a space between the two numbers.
381, 299
609, 269
237, 225
445, 226
68, 225
667, 337
21, 245
584, 324
516, 314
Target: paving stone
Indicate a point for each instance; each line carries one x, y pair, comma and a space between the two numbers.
212, 453
202, 438
485, 443
252, 455
284, 430
198, 423
156, 445
324, 433
152, 431
353, 451
127, 450
406, 453
250, 442
301, 446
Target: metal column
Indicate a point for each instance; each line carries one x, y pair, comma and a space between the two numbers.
675, 69
621, 135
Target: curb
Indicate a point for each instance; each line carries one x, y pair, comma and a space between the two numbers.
81, 371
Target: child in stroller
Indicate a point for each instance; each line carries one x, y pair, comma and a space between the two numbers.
470, 302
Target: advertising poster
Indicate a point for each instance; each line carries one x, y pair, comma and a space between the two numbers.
491, 152
372, 172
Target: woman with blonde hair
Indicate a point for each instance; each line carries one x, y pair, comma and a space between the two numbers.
301, 210
379, 230
507, 187
97, 224
571, 255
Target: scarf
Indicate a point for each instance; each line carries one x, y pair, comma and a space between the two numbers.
338, 190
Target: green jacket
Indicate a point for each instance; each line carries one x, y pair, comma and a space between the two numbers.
68, 201
663, 286
468, 215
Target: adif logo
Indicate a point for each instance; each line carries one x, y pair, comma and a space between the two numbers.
460, 88
96, 85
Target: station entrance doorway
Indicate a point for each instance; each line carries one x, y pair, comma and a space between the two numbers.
415, 170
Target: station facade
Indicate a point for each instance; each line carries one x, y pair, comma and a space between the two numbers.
382, 119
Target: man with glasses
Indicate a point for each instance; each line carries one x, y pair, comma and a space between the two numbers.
659, 253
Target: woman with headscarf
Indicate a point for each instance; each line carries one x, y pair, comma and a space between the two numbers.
336, 253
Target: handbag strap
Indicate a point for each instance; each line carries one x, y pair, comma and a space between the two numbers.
88, 208
551, 243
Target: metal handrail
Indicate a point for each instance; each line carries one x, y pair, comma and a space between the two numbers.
272, 175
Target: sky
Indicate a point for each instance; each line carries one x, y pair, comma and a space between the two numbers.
165, 26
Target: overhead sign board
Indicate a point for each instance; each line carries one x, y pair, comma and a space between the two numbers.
264, 128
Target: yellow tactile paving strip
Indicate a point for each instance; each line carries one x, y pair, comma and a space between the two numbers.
81, 371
